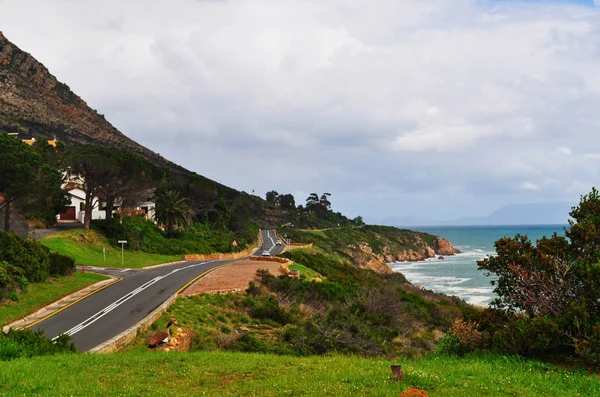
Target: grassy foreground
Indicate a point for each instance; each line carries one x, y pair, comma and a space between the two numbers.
42, 294
235, 374
86, 248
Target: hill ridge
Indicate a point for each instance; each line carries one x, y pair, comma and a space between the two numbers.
33, 102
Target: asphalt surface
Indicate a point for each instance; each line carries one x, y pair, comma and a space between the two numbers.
109, 312
270, 244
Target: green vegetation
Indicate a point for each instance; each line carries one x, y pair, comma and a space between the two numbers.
114, 174
305, 271
548, 294
391, 240
26, 343
86, 248
27, 182
235, 374
351, 311
144, 235
41, 294
23, 261
172, 210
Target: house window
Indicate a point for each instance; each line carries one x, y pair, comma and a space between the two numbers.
81, 206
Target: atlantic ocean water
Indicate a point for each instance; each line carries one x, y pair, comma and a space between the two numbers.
458, 274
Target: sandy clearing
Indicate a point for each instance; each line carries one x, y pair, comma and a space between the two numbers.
234, 277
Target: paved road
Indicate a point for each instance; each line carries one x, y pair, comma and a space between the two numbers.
270, 243
111, 311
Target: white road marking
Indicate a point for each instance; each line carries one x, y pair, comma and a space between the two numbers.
272, 241
122, 300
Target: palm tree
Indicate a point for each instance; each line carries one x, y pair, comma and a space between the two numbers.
172, 211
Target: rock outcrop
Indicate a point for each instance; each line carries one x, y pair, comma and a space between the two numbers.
444, 247
364, 257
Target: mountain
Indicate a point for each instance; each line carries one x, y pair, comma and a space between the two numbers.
512, 214
34, 103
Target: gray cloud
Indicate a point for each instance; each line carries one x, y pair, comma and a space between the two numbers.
435, 109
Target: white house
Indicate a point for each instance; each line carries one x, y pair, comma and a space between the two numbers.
77, 209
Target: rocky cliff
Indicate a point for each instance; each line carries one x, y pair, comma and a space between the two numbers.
364, 257
34, 103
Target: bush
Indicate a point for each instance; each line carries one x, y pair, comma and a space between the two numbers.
28, 343
12, 278
539, 337
29, 255
61, 265
143, 234
451, 345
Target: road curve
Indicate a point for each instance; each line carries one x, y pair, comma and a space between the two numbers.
107, 313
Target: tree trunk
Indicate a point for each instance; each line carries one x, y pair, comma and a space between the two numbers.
7, 216
89, 200
110, 204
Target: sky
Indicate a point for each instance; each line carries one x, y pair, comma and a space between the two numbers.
427, 108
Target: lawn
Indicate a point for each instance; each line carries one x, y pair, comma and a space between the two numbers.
305, 271
242, 374
86, 247
38, 295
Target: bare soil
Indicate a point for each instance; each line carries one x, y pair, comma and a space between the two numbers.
232, 278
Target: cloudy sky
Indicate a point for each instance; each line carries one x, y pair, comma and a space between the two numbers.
428, 108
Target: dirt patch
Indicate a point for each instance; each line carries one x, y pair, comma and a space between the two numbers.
232, 278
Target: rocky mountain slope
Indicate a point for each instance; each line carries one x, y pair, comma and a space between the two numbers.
34, 103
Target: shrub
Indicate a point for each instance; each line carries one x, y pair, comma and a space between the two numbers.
28, 343
61, 265
539, 337
468, 335
452, 346
12, 278
589, 347
29, 255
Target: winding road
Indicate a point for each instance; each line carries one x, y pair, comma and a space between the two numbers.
110, 311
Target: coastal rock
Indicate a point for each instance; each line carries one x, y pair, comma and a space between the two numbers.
444, 247
364, 258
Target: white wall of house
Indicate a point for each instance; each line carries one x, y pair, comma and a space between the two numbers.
78, 201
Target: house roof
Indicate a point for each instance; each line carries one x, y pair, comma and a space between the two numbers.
51, 142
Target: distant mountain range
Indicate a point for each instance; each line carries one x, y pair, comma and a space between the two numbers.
513, 214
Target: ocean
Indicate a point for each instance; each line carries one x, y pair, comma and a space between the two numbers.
458, 275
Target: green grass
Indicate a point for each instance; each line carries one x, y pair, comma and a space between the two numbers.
38, 295
87, 250
305, 271
240, 374
209, 315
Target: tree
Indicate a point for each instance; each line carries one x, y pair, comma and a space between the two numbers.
556, 283
312, 201
324, 201
20, 167
358, 221
96, 167
287, 202
134, 183
537, 279
46, 198
272, 197
172, 210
